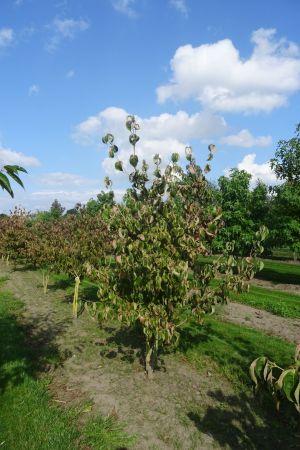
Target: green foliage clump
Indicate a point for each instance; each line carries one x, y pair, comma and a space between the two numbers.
283, 384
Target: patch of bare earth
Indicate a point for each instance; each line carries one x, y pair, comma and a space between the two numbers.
285, 328
181, 408
292, 288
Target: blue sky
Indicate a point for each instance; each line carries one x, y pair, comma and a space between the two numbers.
192, 71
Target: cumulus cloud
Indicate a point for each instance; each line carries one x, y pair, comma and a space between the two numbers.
217, 76
125, 7
261, 172
34, 89
6, 37
163, 134
245, 139
180, 126
64, 29
66, 179
8, 156
181, 6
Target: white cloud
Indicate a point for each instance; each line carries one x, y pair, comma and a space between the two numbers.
179, 126
217, 76
43, 199
163, 134
66, 179
245, 139
34, 89
8, 156
181, 6
19, 2
125, 7
261, 172
70, 74
6, 37
64, 29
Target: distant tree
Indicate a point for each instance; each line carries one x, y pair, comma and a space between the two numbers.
56, 210
286, 163
234, 197
285, 228
286, 199
104, 199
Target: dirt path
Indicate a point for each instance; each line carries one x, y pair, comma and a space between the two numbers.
292, 288
285, 328
182, 408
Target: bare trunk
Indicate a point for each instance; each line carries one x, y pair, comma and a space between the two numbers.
149, 368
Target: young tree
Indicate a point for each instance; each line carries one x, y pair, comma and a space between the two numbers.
151, 272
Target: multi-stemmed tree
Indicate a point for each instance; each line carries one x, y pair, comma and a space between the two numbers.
151, 274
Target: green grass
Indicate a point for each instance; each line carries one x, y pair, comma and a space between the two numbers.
280, 272
232, 348
28, 420
277, 302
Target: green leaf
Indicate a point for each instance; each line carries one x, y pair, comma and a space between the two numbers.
288, 381
133, 139
119, 166
5, 184
175, 157
16, 178
108, 139
134, 160
15, 168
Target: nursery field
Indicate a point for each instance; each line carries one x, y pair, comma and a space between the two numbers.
74, 384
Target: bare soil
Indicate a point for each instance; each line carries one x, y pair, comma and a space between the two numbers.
292, 288
270, 324
181, 408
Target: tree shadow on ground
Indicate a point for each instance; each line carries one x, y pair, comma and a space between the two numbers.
128, 344
274, 275
28, 348
239, 422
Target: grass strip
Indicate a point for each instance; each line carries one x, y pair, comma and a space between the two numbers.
28, 420
232, 348
277, 302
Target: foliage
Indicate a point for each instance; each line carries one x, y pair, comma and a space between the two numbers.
286, 163
14, 235
151, 274
104, 200
283, 384
286, 216
244, 211
10, 171
56, 210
